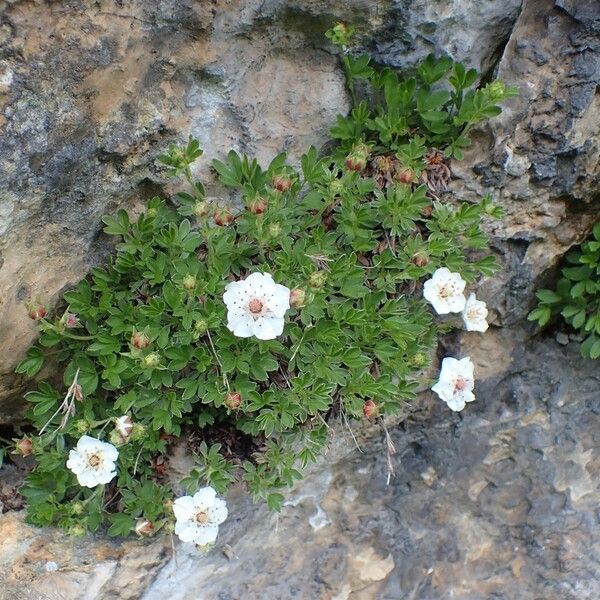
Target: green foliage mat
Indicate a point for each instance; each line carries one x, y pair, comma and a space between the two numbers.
353, 233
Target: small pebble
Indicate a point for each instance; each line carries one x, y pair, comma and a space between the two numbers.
51, 566
562, 338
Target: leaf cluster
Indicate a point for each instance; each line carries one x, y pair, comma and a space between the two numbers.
576, 297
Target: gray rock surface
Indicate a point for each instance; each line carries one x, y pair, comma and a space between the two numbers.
498, 502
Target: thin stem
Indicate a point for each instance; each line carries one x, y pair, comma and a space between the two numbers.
137, 458
350, 430
225, 380
65, 406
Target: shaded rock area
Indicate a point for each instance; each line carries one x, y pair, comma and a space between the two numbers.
497, 503
92, 91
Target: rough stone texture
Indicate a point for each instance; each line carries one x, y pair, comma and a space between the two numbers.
541, 157
497, 503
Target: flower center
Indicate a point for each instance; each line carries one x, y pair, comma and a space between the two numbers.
474, 314
460, 384
94, 460
445, 291
202, 517
255, 306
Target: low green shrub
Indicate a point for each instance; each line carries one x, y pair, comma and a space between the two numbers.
577, 295
150, 348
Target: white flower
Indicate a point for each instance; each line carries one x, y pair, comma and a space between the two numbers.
199, 516
256, 306
474, 314
93, 461
445, 291
456, 382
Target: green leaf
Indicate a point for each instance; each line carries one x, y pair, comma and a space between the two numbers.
32, 362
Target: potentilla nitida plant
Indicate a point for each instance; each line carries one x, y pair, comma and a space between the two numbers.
243, 334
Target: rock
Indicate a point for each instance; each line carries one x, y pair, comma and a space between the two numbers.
540, 158
521, 523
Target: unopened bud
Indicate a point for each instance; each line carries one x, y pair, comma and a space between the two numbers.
282, 183
77, 530
78, 392
258, 205
274, 230
222, 217
169, 527
233, 400
496, 90
317, 279
36, 311
24, 446
201, 209
82, 426
152, 360
144, 527
189, 283
124, 427
405, 176
140, 340
420, 259
138, 432
420, 360
151, 212
357, 159
370, 409
201, 327
336, 187
77, 508
71, 321
297, 298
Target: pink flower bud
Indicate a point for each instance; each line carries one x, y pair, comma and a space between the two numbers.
370, 409
258, 205
71, 321
24, 446
233, 400
297, 298
36, 311
222, 217
140, 340
282, 183
143, 527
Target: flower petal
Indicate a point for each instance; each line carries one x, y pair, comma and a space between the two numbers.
218, 513
186, 531
204, 498
184, 508
206, 534
110, 452
241, 326
268, 328
456, 303
76, 463
279, 301
88, 444
444, 390
456, 403
106, 475
88, 478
